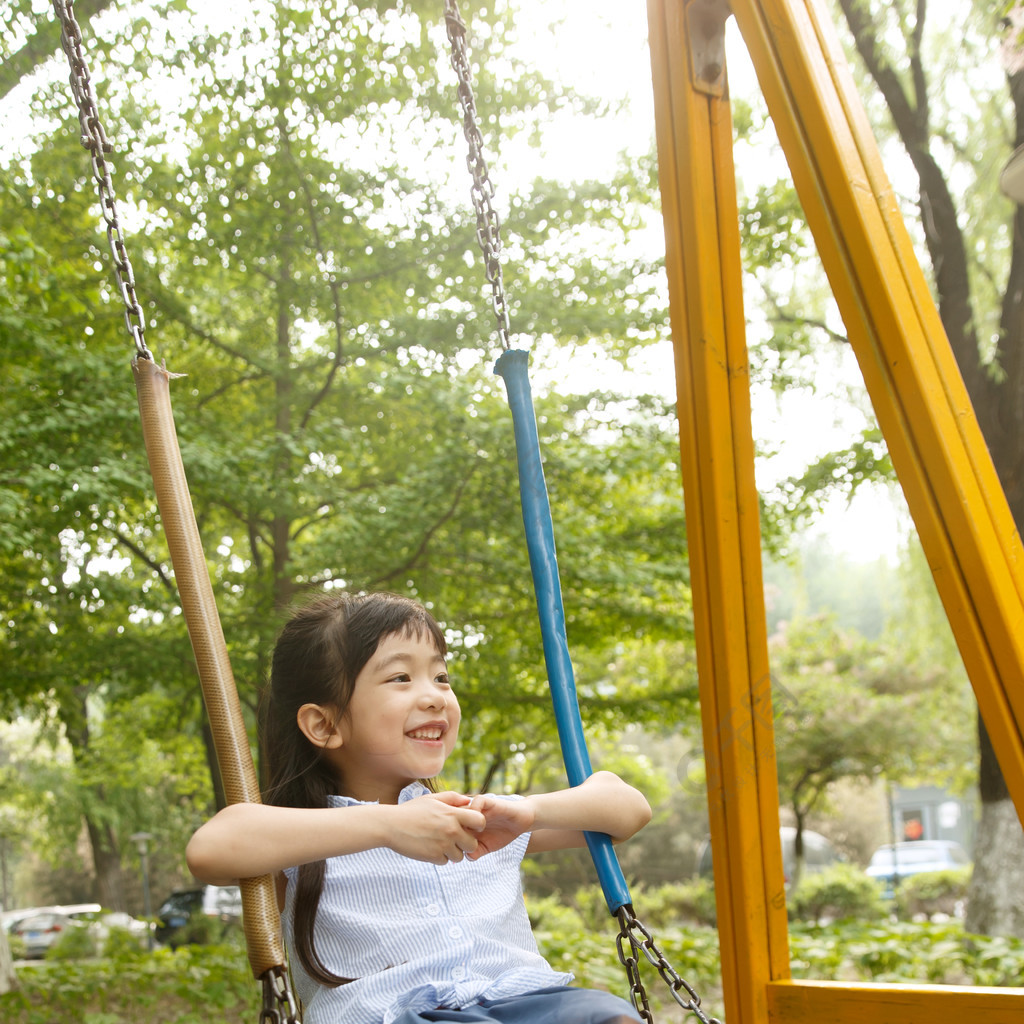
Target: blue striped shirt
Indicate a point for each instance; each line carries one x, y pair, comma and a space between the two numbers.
418, 936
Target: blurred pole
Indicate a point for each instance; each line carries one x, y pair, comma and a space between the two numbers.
893, 838
5, 895
141, 840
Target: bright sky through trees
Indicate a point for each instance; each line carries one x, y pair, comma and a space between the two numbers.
600, 48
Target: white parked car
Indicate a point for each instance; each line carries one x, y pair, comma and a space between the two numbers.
896, 861
102, 922
40, 931
819, 853
40, 927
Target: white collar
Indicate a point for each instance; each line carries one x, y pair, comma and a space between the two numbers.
414, 789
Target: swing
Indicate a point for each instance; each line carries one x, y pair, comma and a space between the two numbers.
261, 920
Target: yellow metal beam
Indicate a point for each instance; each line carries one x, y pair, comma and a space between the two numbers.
832, 1003
961, 514
694, 129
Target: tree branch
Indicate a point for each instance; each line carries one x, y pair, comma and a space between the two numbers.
151, 563
413, 559
168, 304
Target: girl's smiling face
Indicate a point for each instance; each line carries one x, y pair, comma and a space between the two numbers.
401, 723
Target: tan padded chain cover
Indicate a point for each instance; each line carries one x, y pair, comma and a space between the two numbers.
261, 919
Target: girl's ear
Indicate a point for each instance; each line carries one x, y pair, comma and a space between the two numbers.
319, 724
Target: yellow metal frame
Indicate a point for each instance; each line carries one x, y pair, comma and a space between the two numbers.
958, 506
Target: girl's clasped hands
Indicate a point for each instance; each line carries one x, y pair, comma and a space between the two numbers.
442, 827
445, 827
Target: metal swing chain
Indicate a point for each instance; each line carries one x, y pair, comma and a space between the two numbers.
96, 142
634, 939
639, 941
488, 224
278, 1001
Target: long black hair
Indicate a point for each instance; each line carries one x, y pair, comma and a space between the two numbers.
318, 655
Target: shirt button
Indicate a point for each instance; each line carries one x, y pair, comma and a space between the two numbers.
433, 909
458, 973
455, 933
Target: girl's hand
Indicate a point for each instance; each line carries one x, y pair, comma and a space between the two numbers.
436, 828
505, 820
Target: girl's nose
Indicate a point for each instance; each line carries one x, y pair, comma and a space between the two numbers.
432, 697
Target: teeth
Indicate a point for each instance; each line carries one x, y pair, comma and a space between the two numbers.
426, 734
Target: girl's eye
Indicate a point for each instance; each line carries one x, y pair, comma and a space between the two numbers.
401, 677
443, 679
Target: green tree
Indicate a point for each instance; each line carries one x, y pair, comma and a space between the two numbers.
29, 40
69, 490
945, 156
816, 579
302, 260
847, 708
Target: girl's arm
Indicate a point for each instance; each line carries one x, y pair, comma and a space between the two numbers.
602, 803
248, 840
557, 821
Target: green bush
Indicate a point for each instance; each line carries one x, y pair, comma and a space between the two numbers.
214, 983
589, 902
209, 983
996, 960
904, 952
840, 891
122, 942
205, 930
552, 913
677, 904
72, 944
591, 955
933, 892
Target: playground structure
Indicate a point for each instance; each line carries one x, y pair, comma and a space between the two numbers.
960, 511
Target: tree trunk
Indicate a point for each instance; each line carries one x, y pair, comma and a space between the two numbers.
106, 856
995, 898
996, 894
210, 747
798, 852
7, 977
107, 863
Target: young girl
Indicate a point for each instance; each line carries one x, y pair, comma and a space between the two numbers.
399, 903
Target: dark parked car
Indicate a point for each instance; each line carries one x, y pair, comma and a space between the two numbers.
198, 915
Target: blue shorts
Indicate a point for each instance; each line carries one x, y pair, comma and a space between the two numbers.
546, 1006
